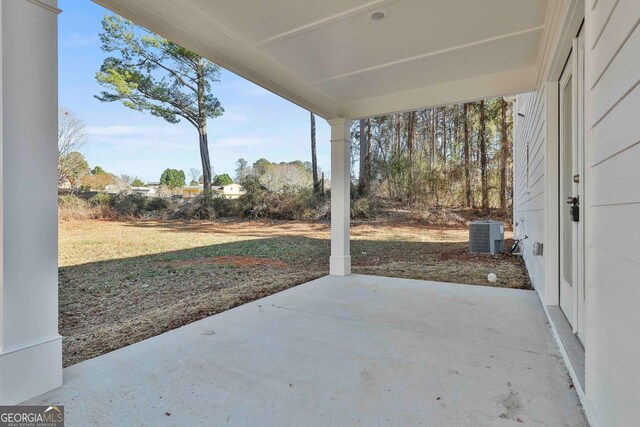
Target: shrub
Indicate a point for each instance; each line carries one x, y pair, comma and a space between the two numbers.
251, 203
292, 205
101, 199
129, 205
200, 207
71, 207
289, 204
71, 201
225, 207
123, 205
365, 207
157, 204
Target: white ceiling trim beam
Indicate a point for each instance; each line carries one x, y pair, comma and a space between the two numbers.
489, 86
429, 54
325, 22
230, 52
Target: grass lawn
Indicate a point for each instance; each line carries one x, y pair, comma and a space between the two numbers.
121, 282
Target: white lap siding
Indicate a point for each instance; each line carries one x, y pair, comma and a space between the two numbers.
529, 179
613, 216
611, 208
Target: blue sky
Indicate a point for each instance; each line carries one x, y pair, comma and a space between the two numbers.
256, 123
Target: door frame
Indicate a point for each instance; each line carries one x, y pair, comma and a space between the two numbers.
570, 22
575, 72
550, 292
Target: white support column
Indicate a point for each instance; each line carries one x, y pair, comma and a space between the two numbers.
30, 347
340, 262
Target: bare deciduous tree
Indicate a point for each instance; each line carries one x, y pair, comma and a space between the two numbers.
126, 180
285, 176
195, 175
71, 137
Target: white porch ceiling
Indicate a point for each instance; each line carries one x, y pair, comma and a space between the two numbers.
330, 57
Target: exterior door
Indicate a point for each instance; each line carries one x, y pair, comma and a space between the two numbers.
572, 292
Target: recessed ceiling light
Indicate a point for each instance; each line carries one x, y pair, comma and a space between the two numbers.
378, 14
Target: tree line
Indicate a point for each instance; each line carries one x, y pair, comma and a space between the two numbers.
456, 155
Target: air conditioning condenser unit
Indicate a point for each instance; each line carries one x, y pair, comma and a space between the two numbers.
486, 237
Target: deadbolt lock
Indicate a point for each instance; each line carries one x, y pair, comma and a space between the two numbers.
574, 213
576, 179
574, 210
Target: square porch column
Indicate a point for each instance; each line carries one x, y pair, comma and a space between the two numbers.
30, 347
340, 261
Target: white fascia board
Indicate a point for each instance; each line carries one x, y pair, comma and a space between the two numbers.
489, 86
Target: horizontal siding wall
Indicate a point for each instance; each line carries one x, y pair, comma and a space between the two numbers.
613, 224
529, 179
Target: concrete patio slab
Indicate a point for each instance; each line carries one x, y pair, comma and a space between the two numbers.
355, 350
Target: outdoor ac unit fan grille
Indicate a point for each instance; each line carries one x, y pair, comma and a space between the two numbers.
479, 238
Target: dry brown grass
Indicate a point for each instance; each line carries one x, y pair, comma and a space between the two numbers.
122, 282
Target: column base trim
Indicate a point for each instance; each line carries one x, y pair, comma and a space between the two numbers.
31, 370
340, 265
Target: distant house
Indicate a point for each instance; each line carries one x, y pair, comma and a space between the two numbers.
144, 191
112, 189
64, 184
229, 191
191, 191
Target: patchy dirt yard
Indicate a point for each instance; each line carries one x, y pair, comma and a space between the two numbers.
122, 282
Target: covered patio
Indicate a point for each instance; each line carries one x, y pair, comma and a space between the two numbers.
355, 350
341, 350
